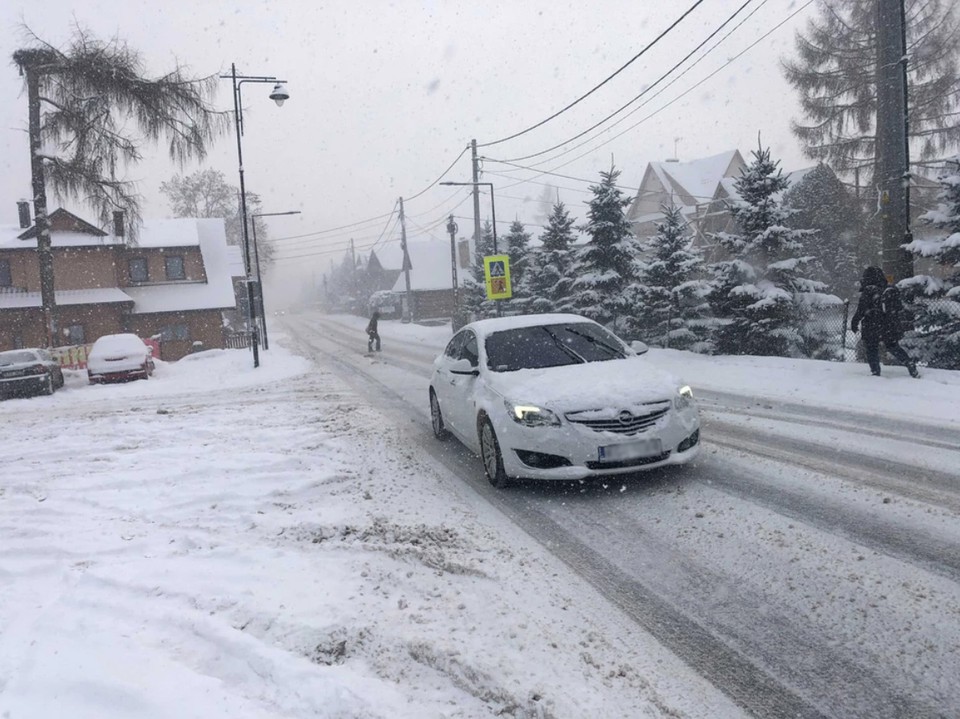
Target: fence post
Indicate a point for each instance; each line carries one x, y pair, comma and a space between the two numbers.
843, 331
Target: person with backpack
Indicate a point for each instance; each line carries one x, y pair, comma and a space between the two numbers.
373, 335
880, 315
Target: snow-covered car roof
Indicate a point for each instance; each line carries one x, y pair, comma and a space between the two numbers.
126, 342
487, 327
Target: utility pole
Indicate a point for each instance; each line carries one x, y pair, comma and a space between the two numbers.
476, 194
48, 300
406, 263
452, 229
892, 172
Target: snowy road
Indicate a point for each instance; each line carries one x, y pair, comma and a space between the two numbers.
807, 565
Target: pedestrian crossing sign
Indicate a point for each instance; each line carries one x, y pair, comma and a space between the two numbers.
496, 270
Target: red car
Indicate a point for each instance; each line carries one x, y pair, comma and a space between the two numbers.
117, 358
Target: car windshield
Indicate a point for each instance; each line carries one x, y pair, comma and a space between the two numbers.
9, 358
550, 346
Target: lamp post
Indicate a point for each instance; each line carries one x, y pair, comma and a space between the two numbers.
493, 212
278, 95
256, 258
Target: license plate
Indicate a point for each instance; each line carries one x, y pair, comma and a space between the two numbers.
649, 447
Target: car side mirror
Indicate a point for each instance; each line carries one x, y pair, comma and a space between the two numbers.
463, 366
639, 347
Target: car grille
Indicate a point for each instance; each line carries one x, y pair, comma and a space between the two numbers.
625, 422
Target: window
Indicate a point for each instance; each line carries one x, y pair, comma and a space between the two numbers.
453, 347
6, 280
175, 332
138, 269
174, 266
75, 335
470, 351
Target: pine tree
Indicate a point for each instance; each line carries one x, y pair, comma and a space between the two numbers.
835, 74
548, 279
474, 294
935, 301
821, 202
760, 297
605, 266
515, 244
669, 295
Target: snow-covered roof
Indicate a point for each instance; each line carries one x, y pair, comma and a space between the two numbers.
176, 232
497, 324
697, 178
98, 296
430, 260
235, 259
215, 293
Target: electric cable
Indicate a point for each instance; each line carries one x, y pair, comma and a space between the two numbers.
647, 89
601, 84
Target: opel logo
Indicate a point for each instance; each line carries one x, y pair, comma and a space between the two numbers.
625, 417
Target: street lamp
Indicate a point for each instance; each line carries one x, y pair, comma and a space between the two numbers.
256, 257
278, 95
493, 209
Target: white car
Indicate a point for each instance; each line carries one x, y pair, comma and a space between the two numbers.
559, 396
119, 357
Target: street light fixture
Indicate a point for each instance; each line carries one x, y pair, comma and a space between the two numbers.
279, 95
256, 257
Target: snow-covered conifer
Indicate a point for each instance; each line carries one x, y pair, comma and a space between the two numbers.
547, 279
605, 266
935, 300
516, 245
669, 296
761, 296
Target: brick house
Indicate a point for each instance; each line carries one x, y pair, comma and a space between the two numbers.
173, 282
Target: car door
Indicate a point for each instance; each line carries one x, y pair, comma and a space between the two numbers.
461, 402
442, 381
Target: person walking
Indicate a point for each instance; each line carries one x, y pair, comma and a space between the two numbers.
373, 335
879, 313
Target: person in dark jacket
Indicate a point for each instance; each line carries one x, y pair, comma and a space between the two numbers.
373, 335
879, 313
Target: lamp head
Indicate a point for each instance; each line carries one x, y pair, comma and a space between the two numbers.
279, 94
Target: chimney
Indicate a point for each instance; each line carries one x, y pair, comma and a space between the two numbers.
118, 223
23, 209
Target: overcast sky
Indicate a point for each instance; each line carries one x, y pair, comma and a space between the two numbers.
385, 95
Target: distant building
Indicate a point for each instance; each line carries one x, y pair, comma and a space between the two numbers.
690, 186
173, 283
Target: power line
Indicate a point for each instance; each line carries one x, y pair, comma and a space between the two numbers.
648, 88
661, 109
601, 84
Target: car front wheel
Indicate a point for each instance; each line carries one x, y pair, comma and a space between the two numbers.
48, 387
436, 418
490, 454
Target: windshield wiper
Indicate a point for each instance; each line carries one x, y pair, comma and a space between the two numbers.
563, 348
600, 343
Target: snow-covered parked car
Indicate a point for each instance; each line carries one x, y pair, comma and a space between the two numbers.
29, 371
559, 397
115, 358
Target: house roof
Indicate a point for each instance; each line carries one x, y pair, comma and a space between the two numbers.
696, 178
176, 232
220, 264
238, 267
215, 293
98, 296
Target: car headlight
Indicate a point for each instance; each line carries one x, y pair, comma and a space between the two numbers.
684, 398
530, 415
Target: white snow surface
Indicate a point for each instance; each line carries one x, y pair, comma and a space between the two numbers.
224, 541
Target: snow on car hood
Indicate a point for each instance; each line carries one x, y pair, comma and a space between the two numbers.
615, 384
